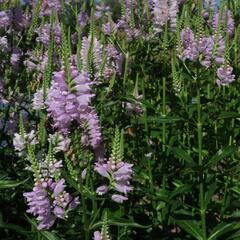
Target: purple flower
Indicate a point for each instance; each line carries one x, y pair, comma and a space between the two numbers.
102, 190
18, 142
20, 19
119, 174
62, 105
102, 169
4, 44
110, 28
49, 7
65, 106
162, 12
40, 206
205, 48
226, 16
59, 188
49, 201
93, 129
97, 236
82, 19
5, 19
220, 49
225, 75
97, 53
38, 102
119, 198
189, 45
15, 58
173, 11
44, 34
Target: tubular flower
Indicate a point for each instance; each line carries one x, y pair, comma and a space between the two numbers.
5, 19
96, 51
49, 7
44, 34
65, 106
173, 11
189, 45
48, 201
205, 48
227, 16
160, 12
220, 49
38, 102
114, 61
93, 130
120, 174
225, 75
62, 105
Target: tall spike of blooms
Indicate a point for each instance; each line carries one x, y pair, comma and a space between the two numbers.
104, 234
126, 22
160, 11
225, 75
38, 102
48, 200
97, 53
44, 34
205, 49
5, 19
49, 7
65, 106
201, 49
189, 45
117, 171
173, 11
226, 16
164, 11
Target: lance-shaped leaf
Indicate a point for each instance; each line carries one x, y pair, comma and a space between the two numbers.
192, 228
221, 154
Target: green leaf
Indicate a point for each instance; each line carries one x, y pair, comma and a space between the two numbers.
229, 115
192, 228
161, 119
180, 153
221, 229
46, 234
12, 227
181, 190
119, 222
211, 190
221, 154
10, 183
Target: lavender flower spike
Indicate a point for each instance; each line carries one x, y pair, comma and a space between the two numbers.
189, 45
225, 76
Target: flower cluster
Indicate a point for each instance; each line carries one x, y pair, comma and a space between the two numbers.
226, 17
164, 11
19, 141
66, 106
49, 201
44, 34
225, 75
118, 172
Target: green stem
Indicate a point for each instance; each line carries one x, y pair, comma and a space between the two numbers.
200, 163
85, 218
147, 132
164, 115
125, 69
